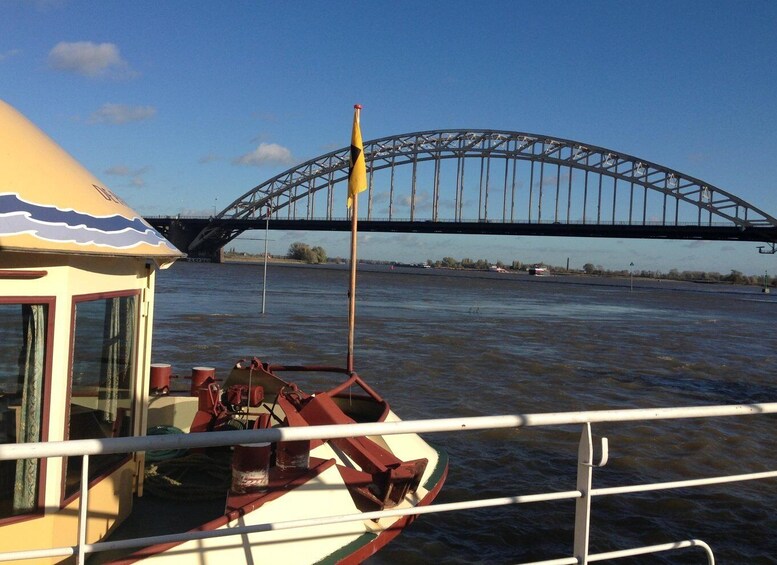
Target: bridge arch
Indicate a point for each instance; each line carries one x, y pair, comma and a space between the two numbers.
492, 176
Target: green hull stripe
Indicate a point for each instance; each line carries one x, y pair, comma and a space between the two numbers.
442, 465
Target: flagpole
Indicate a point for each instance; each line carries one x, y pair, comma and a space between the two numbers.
266, 237
353, 193
352, 285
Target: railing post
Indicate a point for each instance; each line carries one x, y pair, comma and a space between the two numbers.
585, 469
83, 505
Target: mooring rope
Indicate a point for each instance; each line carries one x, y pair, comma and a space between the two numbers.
196, 476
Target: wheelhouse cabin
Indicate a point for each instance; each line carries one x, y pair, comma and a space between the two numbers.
77, 271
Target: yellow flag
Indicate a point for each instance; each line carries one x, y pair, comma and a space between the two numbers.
357, 173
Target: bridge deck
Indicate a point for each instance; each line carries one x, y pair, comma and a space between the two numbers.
172, 227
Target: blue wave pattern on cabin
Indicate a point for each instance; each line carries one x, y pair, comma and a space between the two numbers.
53, 224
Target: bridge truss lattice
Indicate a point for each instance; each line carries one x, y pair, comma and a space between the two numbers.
492, 176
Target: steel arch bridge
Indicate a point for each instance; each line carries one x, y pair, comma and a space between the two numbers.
488, 181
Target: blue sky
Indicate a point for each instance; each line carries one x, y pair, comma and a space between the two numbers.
180, 107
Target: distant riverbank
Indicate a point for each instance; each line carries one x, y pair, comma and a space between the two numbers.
619, 278
240, 258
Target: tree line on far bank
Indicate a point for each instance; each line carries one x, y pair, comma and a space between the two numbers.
303, 252
300, 251
734, 277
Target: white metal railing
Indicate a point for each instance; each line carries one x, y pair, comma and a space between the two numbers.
582, 494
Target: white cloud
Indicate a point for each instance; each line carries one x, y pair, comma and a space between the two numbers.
121, 114
266, 154
9, 54
268, 117
209, 158
697, 157
117, 170
135, 176
47, 6
421, 199
89, 59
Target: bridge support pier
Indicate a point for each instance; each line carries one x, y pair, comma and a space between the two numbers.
182, 232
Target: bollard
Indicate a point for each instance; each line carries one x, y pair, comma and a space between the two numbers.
201, 378
160, 378
251, 468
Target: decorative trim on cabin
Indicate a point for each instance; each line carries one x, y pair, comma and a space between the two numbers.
22, 275
68, 226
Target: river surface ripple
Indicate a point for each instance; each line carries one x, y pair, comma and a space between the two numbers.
442, 344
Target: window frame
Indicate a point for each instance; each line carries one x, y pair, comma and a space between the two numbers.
50, 302
65, 498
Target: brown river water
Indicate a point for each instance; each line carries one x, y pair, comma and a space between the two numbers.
441, 344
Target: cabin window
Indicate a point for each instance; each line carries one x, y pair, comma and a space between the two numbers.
23, 362
102, 373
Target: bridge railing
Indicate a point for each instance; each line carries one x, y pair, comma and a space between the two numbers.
394, 219
583, 492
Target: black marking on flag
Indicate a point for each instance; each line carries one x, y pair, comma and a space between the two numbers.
355, 152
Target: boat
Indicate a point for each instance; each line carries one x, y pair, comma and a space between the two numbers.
539, 271
115, 451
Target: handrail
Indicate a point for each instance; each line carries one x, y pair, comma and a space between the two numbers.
187, 441
582, 494
635, 551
